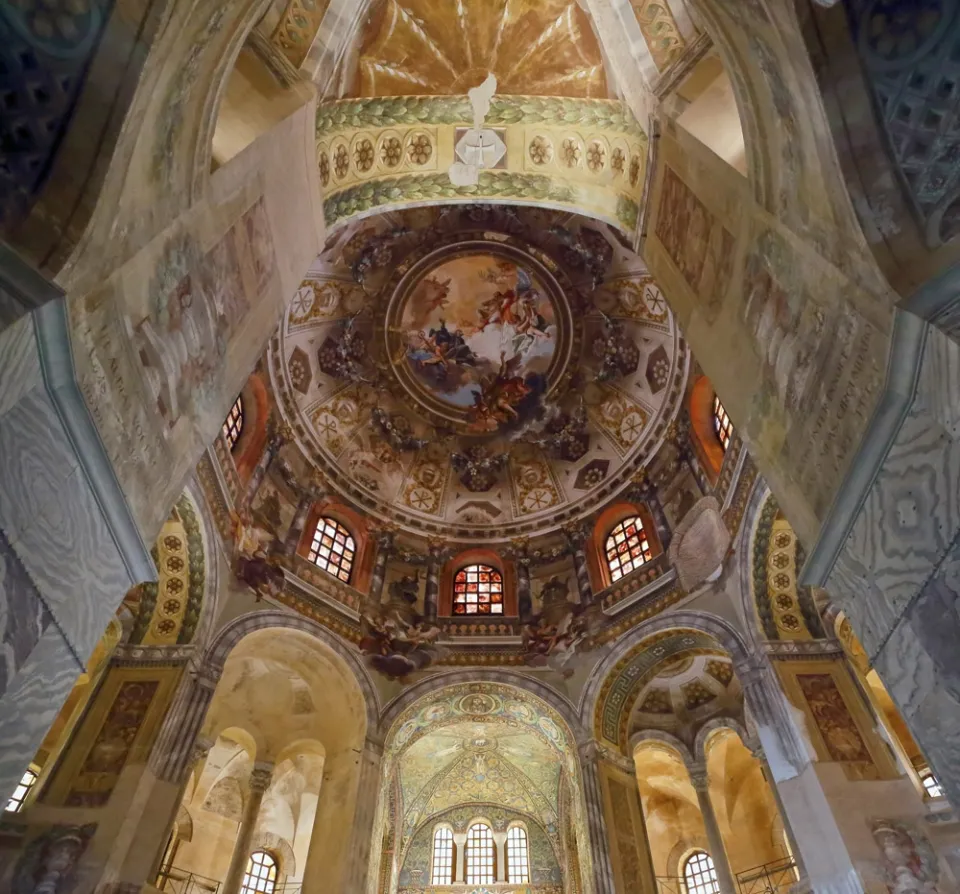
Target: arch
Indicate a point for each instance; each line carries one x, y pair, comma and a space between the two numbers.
262, 873
699, 874
434, 684
728, 638
715, 725
359, 529
663, 739
710, 450
184, 824
599, 567
516, 853
280, 849
478, 556
250, 445
443, 854
231, 634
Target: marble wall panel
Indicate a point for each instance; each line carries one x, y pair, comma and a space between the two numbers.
19, 363
31, 703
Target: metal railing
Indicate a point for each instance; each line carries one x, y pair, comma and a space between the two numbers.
671, 884
179, 881
770, 878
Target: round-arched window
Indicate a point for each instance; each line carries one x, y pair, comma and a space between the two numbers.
233, 424
721, 423
442, 873
700, 875
480, 855
518, 856
478, 590
333, 548
19, 796
627, 548
261, 874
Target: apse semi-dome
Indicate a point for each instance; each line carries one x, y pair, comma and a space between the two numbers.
479, 372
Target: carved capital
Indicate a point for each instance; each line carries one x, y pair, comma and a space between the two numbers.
699, 778
576, 534
260, 777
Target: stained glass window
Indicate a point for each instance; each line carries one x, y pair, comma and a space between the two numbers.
699, 874
518, 857
15, 804
627, 548
333, 548
261, 874
721, 423
442, 856
478, 590
480, 855
931, 785
233, 424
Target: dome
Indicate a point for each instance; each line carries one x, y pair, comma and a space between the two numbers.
479, 372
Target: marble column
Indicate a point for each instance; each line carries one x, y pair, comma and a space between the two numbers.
599, 842
701, 784
260, 778
460, 852
431, 595
384, 540
368, 792
757, 751
576, 536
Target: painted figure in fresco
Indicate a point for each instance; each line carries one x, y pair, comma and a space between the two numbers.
256, 560
909, 862
395, 636
552, 637
496, 403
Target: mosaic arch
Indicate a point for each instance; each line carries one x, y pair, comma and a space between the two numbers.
478, 743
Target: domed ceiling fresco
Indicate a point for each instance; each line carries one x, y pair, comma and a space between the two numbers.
480, 373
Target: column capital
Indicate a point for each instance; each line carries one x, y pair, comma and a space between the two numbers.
201, 748
699, 777
383, 536
576, 534
260, 776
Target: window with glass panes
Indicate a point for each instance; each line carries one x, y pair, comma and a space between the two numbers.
233, 424
442, 873
261, 874
480, 855
333, 548
721, 422
27, 781
518, 857
627, 548
478, 590
699, 875
931, 784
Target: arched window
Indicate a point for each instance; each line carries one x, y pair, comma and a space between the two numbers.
627, 548
333, 548
480, 855
27, 781
931, 785
478, 590
699, 875
721, 423
442, 873
518, 856
261, 874
233, 424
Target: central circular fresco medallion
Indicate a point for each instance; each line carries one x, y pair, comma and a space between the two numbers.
479, 337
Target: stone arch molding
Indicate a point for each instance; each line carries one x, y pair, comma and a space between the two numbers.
727, 636
241, 627
668, 740
715, 724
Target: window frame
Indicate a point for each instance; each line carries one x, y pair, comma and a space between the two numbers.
478, 875
702, 878
496, 581
19, 798
447, 838
314, 553
510, 854
928, 774
610, 545
232, 427
722, 425
270, 884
